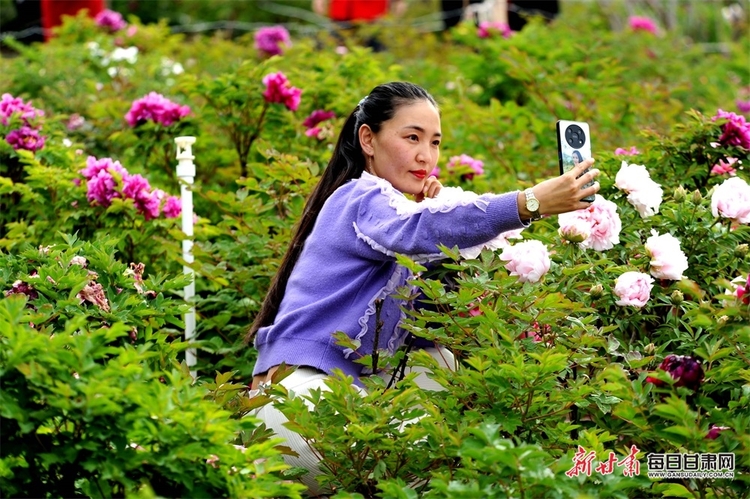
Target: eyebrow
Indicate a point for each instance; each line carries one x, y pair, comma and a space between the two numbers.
419, 128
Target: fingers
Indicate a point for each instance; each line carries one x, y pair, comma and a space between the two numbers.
432, 187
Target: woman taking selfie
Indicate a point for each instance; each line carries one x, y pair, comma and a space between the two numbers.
341, 264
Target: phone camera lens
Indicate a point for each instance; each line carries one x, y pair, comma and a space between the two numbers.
575, 136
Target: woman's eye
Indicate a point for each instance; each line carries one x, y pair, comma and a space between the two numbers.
436, 143
413, 137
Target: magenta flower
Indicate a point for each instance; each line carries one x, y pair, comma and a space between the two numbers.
724, 167
735, 132
318, 116
94, 166
271, 40
685, 370
279, 91
135, 186
157, 108
111, 20
626, 152
75, 122
465, 162
743, 289
25, 138
640, 23
172, 207
10, 105
487, 29
743, 106
101, 189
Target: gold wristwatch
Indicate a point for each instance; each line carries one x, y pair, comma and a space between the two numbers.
532, 204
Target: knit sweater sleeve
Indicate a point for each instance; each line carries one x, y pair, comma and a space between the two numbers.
389, 223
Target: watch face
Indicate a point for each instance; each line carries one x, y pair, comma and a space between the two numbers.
532, 204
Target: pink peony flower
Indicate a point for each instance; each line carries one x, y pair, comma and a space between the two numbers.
735, 132
279, 91
135, 186
25, 138
271, 40
435, 172
10, 105
529, 260
640, 23
111, 20
731, 199
487, 29
667, 259
743, 106
465, 162
630, 177
574, 229
172, 207
602, 220
633, 289
79, 260
75, 122
626, 152
94, 166
647, 198
725, 167
157, 108
685, 370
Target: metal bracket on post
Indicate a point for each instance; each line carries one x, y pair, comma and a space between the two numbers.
186, 176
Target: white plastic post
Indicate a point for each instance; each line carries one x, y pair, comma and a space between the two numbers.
186, 175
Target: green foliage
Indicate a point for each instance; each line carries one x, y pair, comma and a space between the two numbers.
96, 401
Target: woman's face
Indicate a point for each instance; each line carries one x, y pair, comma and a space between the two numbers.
407, 147
577, 158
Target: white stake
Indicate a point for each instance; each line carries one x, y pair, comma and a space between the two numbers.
186, 175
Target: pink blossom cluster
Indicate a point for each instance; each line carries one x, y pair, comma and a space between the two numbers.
743, 106
27, 136
316, 117
487, 29
725, 167
735, 132
641, 23
271, 40
632, 151
597, 227
731, 199
633, 289
668, 261
643, 193
111, 20
279, 91
465, 165
107, 179
529, 260
157, 108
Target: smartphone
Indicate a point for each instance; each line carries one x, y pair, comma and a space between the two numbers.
573, 146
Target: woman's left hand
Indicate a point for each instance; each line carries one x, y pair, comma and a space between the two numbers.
431, 189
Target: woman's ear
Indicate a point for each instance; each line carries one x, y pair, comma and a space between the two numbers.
365, 139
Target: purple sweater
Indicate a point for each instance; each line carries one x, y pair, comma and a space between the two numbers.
348, 263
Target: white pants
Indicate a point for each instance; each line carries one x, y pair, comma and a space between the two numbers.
305, 379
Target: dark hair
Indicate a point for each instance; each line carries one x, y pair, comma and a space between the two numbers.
347, 162
577, 153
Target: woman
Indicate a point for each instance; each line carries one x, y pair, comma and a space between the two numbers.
341, 266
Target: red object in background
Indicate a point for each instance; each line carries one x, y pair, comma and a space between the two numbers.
357, 10
53, 10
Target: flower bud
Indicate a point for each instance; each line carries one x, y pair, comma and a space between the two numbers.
741, 250
596, 291
697, 198
680, 194
722, 320
649, 349
677, 297
714, 431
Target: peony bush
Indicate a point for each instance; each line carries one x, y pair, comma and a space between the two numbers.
584, 343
